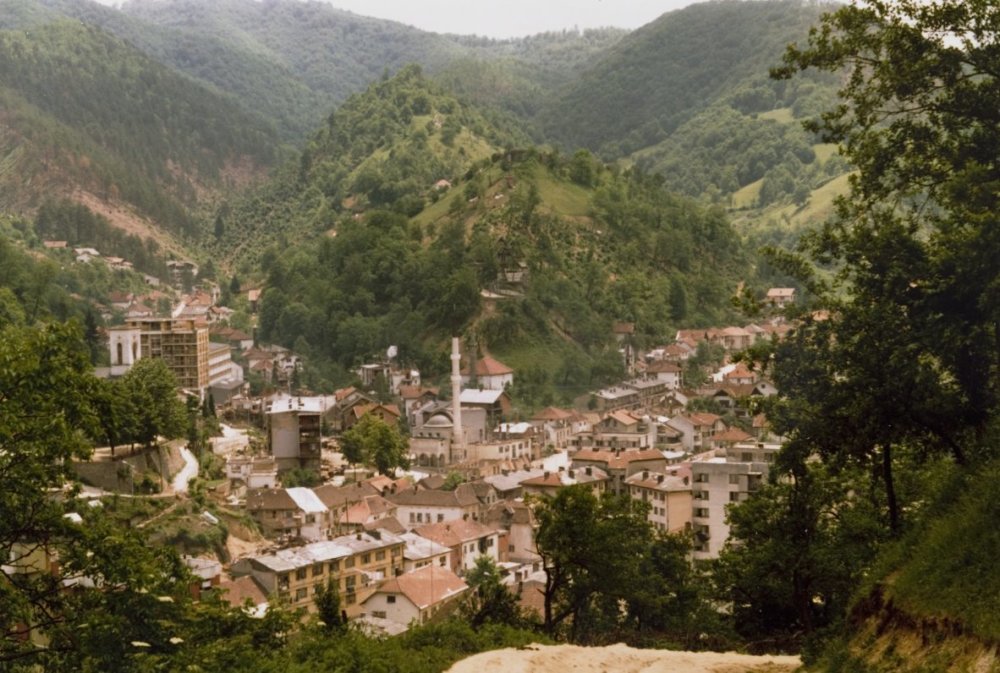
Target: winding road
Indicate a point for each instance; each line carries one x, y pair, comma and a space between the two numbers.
187, 473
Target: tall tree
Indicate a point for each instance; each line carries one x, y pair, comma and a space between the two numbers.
591, 550
919, 235
372, 441
907, 362
159, 412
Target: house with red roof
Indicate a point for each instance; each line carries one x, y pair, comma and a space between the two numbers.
415, 597
488, 373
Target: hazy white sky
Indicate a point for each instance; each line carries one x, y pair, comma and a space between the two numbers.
512, 18
507, 18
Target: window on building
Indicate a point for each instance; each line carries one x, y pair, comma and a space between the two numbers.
734, 479
300, 594
413, 517
300, 574
349, 582
440, 518
378, 614
441, 561
317, 570
734, 496
349, 563
334, 566
390, 599
366, 559
701, 478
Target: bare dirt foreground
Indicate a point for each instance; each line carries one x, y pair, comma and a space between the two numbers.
619, 659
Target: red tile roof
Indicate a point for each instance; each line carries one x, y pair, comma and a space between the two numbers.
425, 587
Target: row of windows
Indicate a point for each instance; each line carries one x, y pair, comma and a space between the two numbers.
421, 517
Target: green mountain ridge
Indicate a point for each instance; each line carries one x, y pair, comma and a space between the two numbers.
385, 256
663, 73
86, 114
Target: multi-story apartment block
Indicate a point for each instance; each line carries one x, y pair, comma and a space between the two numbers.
668, 495
355, 564
182, 344
294, 425
718, 482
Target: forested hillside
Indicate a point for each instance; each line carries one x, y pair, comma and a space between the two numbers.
384, 148
296, 61
664, 73
88, 116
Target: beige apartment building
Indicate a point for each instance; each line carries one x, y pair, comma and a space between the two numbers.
181, 344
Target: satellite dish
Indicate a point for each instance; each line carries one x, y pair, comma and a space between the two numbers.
391, 352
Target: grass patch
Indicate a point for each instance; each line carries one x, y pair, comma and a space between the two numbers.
746, 197
782, 114
824, 151
562, 197
951, 569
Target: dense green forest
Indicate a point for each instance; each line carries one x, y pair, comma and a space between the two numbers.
593, 245
121, 127
385, 148
662, 74
297, 60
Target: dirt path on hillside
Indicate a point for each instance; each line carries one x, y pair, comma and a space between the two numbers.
619, 659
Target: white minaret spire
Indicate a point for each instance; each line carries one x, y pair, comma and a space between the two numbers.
458, 439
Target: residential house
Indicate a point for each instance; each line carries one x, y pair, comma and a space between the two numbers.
467, 540
339, 499
620, 464
254, 473
666, 371
509, 441
415, 507
610, 399
366, 514
415, 397
619, 430
729, 438
489, 374
508, 483
780, 297
551, 482
517, 518
495, 401
341, 414
735, 338
289, 512
421, 552
696, 428
415, 597
555, 427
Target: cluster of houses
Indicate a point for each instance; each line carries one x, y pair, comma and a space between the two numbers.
398, 548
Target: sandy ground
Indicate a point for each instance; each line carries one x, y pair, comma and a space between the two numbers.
619, 659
